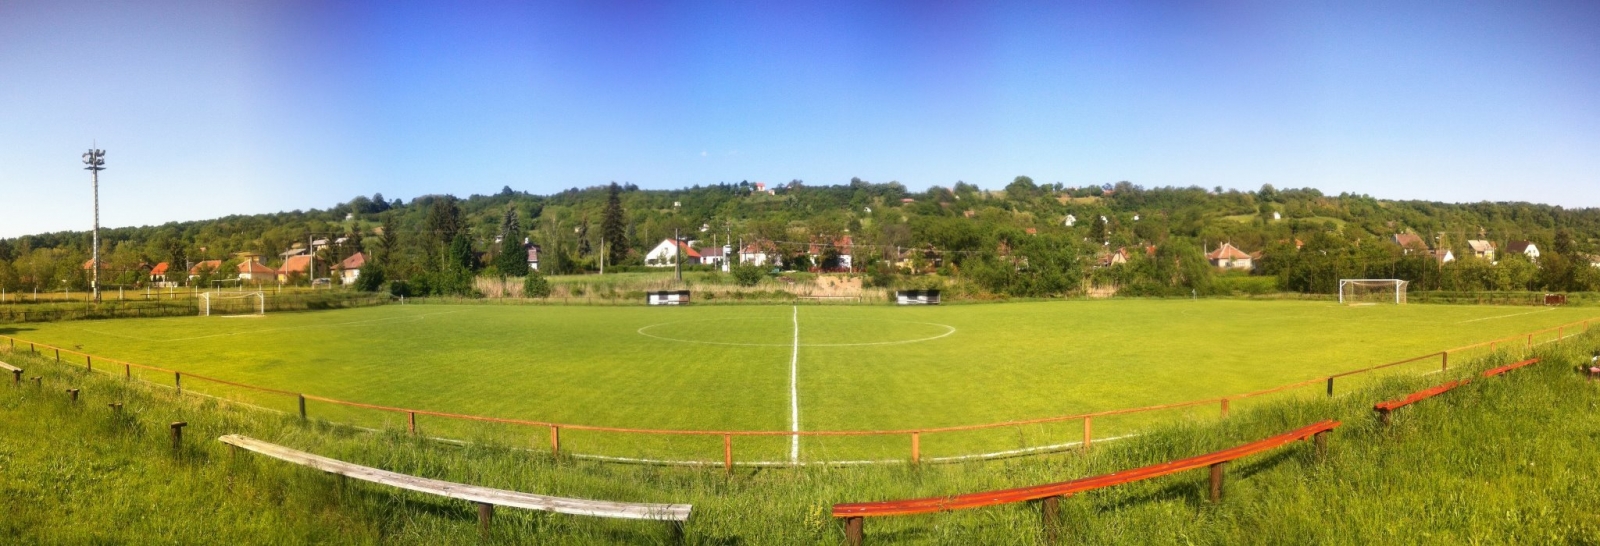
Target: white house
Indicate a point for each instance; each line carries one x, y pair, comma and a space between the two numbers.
1525, 248
717, 256
759, 255
666, 254
845, 247
350, 268
1070, 221
533, 254
1228, 257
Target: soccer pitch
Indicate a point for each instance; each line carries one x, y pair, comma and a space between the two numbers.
781, 368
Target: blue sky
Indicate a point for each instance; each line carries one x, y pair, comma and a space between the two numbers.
214, 108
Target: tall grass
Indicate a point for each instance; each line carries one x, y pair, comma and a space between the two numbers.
1502, 460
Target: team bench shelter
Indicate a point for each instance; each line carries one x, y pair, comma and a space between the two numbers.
669, 297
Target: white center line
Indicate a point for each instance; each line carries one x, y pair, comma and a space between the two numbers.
794, 390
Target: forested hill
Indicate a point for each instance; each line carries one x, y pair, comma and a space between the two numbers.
1013, 241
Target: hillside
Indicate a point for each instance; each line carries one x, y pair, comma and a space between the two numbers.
1013, 241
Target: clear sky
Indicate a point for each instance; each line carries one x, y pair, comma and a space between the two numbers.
210, 108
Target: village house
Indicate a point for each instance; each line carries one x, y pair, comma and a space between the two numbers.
1410, 243
203, 267
1444, 256
760, 254
716, 255
350, 269
1229, 257
533, 254
158, 275
252, 270
1524, 248
296, 264
666, 254
843, 245
1483, 250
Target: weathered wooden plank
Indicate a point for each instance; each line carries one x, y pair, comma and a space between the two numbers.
499, 497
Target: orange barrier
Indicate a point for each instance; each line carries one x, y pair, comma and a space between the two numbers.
727, 435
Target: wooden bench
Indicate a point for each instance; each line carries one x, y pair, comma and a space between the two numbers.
486, 498
1388, 406
1050, 494
1509, 367
16, 374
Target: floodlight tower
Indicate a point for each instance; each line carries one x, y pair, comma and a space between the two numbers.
95, 158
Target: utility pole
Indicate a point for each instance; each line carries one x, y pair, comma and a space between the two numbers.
602, 255
677, 253
95, 158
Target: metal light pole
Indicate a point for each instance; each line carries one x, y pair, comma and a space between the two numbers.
95, 158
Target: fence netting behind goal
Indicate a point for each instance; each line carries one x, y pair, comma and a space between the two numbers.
1372, 291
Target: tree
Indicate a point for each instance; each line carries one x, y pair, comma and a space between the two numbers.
535, 285
512, 259
613, 226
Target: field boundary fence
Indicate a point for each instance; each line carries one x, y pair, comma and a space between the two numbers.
1522, 344
186, 305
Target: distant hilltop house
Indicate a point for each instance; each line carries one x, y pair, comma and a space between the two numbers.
1112, 258
1410, 242
1594, 260
1481, 249
1229, 257
666, 253
1524, 248
350, 269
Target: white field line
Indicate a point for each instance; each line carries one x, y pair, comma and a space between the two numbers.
794, 390
1507, 316
949, 330
263, 330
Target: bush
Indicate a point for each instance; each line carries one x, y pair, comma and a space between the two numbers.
400, 288
370, 279
535, 285
747, 275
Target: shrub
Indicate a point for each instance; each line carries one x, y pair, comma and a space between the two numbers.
747, 275
535, 286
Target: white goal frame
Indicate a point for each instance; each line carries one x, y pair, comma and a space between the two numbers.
205, 301
1398, 285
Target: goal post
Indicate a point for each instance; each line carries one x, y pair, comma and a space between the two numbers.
1352, 291
245, 303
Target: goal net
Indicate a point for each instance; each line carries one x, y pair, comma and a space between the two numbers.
237, 304
1358, 291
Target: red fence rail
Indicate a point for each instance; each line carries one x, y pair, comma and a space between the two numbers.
913, 435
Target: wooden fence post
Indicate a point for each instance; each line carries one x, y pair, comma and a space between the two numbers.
88, 362
916, 447
177, 381
177, 434
485, 514
72, 394
58, 356
302, 407
1320, 439
1050, 512
1216, 481
727, 452
38, 382
16, 378
411, 422
1224, 408
1330, 386
852, 531
1444, 361
1088, 432
555, 441
1530, 342
1384, 415
116, 407
127, 371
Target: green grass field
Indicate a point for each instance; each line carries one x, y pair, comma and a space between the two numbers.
729, 367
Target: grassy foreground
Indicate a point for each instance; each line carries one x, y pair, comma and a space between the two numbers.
1506, 460
728, 368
